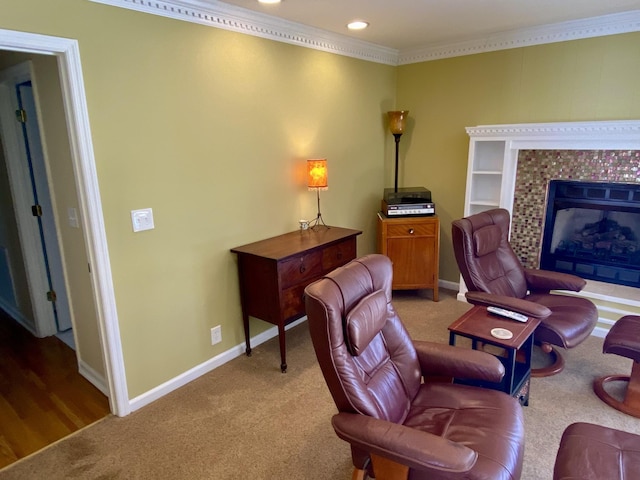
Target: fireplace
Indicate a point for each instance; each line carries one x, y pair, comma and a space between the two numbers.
592, 229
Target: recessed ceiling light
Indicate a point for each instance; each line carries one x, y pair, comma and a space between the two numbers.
357, 25
269, 1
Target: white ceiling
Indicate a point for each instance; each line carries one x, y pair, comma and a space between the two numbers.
410, 24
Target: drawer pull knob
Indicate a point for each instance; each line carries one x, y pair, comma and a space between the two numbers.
302, 268
411, 230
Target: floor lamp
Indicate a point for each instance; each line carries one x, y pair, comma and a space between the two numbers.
317, 179
397, 123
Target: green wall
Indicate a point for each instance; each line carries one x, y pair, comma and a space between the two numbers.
582, 80
211, 129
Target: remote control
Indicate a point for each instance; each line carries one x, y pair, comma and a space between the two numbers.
518, 317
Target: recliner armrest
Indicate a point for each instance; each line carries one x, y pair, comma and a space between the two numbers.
543, 281
519, 305
437, 359
404, 445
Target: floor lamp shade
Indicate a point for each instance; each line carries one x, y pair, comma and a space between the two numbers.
398, 121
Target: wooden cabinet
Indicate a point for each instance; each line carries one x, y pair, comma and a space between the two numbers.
274, 272
413, 245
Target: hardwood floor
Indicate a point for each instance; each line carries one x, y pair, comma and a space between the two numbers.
43, 398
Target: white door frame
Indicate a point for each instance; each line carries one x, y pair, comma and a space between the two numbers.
82, 157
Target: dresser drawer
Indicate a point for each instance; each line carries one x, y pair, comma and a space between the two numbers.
292, 302
411, 229
337, 255
299, 269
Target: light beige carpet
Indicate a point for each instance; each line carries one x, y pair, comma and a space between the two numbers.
248, 420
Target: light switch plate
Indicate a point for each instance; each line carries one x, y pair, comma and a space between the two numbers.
142, 219
72, 216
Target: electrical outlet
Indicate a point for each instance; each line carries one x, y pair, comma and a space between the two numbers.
216, 335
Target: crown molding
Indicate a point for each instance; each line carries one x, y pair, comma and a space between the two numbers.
218, 14
558, 32
230, 17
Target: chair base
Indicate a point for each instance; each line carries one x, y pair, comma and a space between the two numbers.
384, 469
557, 363
631, 403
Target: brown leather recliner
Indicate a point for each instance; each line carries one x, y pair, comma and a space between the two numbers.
375, 372
494, 276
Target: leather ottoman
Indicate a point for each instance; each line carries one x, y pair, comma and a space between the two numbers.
593, 452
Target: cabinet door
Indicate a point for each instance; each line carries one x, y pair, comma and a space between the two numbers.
413, 261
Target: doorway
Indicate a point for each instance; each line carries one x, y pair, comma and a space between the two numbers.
33, 207
66, 52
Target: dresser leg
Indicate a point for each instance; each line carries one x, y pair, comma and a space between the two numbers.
283, 354
247, 336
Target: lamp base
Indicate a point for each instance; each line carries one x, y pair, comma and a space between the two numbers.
318, 221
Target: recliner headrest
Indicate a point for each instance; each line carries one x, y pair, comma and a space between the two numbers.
486, 240
365, 321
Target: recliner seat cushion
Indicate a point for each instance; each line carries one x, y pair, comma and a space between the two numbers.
571, 321
484, 420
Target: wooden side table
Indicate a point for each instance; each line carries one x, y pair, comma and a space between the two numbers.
413, 245
477, 324
274, 272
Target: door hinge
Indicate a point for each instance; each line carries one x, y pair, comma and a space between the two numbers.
21, 116
36, 210
51, 296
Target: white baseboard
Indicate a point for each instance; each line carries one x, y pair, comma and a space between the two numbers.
448, 285
96, 379
199, 370
17, 315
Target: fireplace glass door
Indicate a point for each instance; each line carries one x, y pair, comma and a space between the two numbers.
593, 230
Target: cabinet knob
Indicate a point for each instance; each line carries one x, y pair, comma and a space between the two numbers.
411, 231
302, 268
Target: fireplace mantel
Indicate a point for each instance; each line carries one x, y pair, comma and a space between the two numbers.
493, 165
573, 132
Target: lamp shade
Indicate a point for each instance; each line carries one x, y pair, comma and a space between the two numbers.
317, 173
397, 121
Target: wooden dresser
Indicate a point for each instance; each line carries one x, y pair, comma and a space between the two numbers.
412, 244
274, 272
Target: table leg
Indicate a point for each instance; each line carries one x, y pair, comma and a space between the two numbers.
247, 336
283, 354
510, 370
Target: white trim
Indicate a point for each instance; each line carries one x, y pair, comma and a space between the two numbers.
558, 32
94, 377
73, 94
616, 130
448, 285
205, 367
599, 332
242, 20
16, 314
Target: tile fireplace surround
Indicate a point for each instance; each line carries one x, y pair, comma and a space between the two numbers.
534, 171
587, 151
